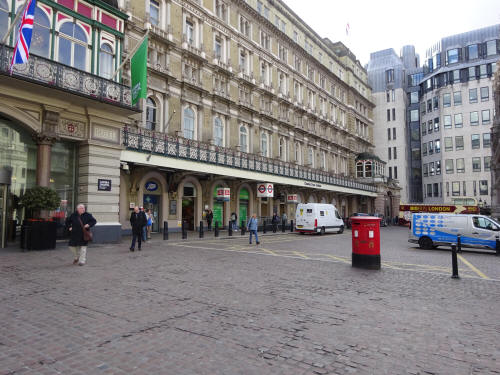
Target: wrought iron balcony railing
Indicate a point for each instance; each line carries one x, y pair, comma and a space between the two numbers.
54, 74
162, 144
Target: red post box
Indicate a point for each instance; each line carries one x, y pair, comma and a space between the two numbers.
366, 242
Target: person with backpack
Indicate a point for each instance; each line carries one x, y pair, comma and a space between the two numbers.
252, 227
78, 225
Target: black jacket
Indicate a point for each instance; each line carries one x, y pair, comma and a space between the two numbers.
76, 233
275, 219
210, 217
138, 220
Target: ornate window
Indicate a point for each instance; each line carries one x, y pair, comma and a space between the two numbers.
297, 153
4, 15
150, 114
282, 149
40, 42
311, 157
218, 132
243, 138
359, 169
189, 126
264, 147
106, 59
154, 12
73, 46
368, 169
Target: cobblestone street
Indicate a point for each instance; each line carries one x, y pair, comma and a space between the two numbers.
292, 305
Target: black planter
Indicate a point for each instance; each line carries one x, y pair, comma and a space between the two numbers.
38, 235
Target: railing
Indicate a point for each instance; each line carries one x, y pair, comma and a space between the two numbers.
54, 74
163, 144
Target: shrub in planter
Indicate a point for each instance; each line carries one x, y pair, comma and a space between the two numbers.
39, 234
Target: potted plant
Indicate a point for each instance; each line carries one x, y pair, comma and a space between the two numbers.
39, 232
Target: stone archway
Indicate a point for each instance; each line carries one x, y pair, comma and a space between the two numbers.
241, 207
22, 118
226, 215
197, 200
159, 196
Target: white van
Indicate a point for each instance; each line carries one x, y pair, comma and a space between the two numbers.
318, 218
432, 230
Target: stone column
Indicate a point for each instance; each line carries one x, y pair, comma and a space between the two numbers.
380, 204
45, 139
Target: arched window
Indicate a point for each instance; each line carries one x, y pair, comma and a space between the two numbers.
243, 138
282, 149
106, 58
311, 157
297, 153
154, 12
359, 169
264, 144
73, 46
40, 41
4, 15
323, 160
218, 132
150, 114
189, 128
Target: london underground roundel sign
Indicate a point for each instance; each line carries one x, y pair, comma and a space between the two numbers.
265, 190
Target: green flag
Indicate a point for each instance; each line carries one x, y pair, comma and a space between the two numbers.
139, 68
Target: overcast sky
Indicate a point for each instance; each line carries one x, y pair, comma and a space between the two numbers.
381, 24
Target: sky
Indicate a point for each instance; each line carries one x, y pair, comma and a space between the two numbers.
380, 24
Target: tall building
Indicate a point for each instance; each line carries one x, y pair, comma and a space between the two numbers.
242, 93
387, 74
456, 113
495, 144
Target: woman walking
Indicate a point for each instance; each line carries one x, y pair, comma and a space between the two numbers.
149, 226
78, 225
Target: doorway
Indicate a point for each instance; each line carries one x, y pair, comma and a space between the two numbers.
243, 209
152, 202
188, 212
218, 209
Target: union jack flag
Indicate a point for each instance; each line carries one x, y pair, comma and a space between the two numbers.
22, 49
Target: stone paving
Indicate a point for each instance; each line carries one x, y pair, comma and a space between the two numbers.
193, 307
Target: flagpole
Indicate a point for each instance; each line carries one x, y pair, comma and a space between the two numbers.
18, 15
130, 55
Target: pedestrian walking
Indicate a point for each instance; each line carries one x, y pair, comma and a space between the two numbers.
252, 228
138, 222
234, 220
78, 224
150, 221
275, 221
209, 217
144, 230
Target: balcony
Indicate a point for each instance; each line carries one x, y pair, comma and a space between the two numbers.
176, 147
53, 74
189, 45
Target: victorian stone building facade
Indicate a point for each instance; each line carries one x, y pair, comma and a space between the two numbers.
495, 151
241, 93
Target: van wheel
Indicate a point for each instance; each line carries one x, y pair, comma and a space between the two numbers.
341, 230
425, 243
322, 232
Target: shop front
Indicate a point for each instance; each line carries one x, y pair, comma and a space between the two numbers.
243, 214
18, 155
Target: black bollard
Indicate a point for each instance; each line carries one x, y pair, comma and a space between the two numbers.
165, 230
291, 226
184, 232
264, 230
454, 262
230, 229
498, 245
243, 227
283, 225
459, 243
216, 229
201, 229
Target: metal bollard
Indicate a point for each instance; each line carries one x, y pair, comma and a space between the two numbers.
201, 229
459, 243
498, 245
264, 230
291, 226
243, 227
283, 225
230, 229
216, 229
184, 232
165, 230
454, 262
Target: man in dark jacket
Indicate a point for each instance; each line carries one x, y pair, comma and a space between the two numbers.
210, 217
275, 221
76, 224
138, 221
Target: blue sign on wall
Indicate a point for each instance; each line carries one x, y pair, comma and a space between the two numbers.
151, 186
